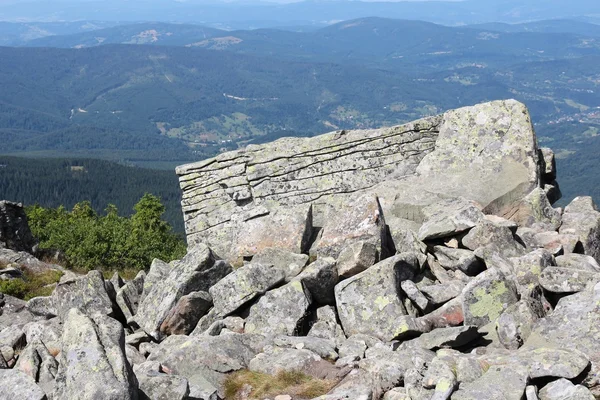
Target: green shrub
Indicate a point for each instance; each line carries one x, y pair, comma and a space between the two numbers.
107, 242
14, 287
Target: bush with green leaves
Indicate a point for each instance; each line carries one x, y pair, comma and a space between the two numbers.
107, 242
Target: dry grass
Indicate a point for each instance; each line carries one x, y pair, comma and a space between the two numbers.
293, 383
34, 284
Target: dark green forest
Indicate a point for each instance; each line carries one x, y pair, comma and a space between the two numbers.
66, 182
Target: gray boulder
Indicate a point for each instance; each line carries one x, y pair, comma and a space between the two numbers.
486, 297
183, 318
243, 285
158, 271
199, 270
457, 259
489, 238
371, 301
280, 311
327, 327
128, 295
581, 218
528, 268
18, 385
93, 364
320, 278
37, 362
322, 347
88, 294
448, 218
567, 280
506, 382
275, 359
535, 210
14, 230
355, 258
156, 385
578, 262
291, 263
563, 389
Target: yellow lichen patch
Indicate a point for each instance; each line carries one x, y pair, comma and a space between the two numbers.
488, 303
381, 302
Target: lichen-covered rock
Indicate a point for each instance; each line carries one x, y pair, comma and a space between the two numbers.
157, 385
93, 364
158, 271
505, 382
578, 261
453, 337
128, 295
355, 258
275, 359
528, 268
386, 368
371, 302
567, 280
327, 327
37, 362
457, 259
243, 285
199, 270
449, 217
87, 294
183, 318
14, 230
291, 263
414, 294
563, 389
281, 311
515, 324
17, 385
581, 218
490, 238
486, 297
535, 210
357, 220
322, 347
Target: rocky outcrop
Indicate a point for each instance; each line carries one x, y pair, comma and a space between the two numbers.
415, 262
14, 230
279, 194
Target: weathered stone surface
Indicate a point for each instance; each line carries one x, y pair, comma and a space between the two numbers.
92, 362
457, 259
197, 271
454, 154
281, 311
274, 359
155, 385
563, 389
535, 210
128, 295
488, 238
356, 220
548, 164
449, 217
486, 297
183, 318
528, 268
515, 324
371, 302
442, 293
204, 360
567, 280
14, 230
243, 285
445, 337
581, 218
291, 263
578, 261
573, 325
322, 347
37, 362
159, 270
498, 383
385, 368
355, 258
87, 294
320, 278
412, 292
327, 327
17, 385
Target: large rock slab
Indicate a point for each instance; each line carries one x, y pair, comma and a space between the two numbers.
371, 302
582, 218
198, 271
93, 365
234, 202
87, 294
18, 385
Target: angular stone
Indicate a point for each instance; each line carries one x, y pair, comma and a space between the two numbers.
134, 357
528, 268
498, 383
370, 302
87, 294
37, 362
42, 306
577, 261
275, 359
281, 311
385, 367
243, 285
457, 259
548, 162
156, 385
197, 271
14, 230
488, 238
563, 389
322, 347
412, 292
92, 362
486, 297
183, 318
355, 258
573, 325
581, 218
327, 327
320, 278
515, 325
535, 210
354, 347
448, 218
442, 293
159, 270
291, 263
128, 296
445, 337
17, 385
567, 280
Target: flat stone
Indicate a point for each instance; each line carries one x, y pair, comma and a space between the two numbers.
291, 263
17, 385
448, 218
322, 347
578, 261
183, 318
498, 383
567, 280
356, 257
275, 359
453, 337
563, 389
457, 259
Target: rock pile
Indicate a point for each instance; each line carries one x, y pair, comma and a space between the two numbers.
417, 262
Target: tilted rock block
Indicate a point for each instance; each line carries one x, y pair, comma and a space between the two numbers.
582, 218
276, 194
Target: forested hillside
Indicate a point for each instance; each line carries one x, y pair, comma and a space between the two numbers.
66, 182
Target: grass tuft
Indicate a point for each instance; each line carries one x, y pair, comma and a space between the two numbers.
33, 284
293, 383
